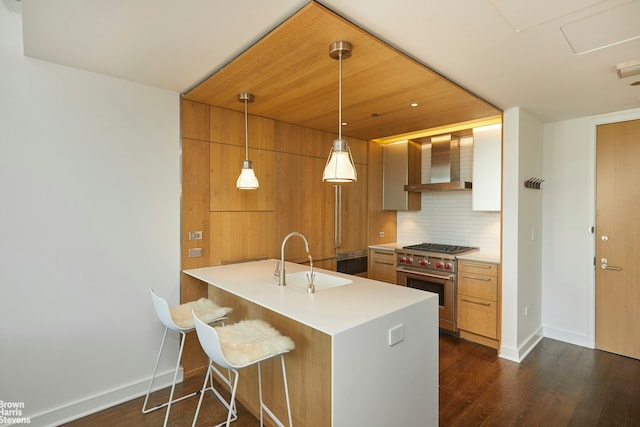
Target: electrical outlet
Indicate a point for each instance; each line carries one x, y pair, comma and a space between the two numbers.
380, 234
396, 335
195, 235
195, 252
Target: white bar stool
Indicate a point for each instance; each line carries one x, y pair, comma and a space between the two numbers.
237, 346
180, 319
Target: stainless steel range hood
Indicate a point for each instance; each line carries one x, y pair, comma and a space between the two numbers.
445, 167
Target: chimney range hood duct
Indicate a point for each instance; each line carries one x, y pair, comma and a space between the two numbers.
445, 167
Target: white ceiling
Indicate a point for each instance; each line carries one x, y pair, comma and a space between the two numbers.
508, 52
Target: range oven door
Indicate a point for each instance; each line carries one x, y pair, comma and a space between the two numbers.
441, 284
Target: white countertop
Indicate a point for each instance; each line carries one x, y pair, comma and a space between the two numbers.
485, 256
387, 246
328, 310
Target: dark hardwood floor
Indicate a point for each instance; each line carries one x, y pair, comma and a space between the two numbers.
558, 384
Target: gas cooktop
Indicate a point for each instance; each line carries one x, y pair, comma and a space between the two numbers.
439, 248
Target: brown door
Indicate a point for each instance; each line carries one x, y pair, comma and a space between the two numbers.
618, 238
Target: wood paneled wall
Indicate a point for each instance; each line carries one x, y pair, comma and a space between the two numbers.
239, 225
194, 215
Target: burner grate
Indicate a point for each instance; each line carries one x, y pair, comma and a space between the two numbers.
439, 248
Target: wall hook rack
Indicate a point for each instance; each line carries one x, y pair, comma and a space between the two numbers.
533, 183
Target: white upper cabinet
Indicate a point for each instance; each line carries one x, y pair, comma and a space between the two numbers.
487, 168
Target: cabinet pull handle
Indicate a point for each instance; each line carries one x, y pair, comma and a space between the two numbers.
485, 266
384, 253
476, 302
382, 262
486, 279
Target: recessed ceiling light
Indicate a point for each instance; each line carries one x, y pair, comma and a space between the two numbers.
414, 104
344, 123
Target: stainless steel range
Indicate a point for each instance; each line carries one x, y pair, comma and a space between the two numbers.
432, 267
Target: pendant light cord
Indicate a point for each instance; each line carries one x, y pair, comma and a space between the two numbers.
340, 96
246, 131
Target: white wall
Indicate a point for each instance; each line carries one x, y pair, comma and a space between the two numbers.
568, 281
521, 215
90, 172
567, 264
529, 233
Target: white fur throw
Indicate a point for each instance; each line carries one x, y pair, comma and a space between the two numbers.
250, 340
205, 309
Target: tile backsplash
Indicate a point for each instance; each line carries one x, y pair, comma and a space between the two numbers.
447, 217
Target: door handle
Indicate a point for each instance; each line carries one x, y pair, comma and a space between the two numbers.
608, 267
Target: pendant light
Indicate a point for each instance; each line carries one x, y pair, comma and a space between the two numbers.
247, 179
340, 166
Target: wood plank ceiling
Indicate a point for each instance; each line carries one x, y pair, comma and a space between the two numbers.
294, 80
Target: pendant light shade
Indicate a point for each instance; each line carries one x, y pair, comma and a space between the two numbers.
247, 179
340, 166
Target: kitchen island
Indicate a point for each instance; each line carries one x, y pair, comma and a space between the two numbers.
366, 351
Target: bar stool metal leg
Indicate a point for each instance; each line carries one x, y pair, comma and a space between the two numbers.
171, 400
234, 337
264, 407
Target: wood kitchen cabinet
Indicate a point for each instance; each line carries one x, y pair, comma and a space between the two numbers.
479, 302
224, 196
227, 152
306, 204
382, 265
354, 213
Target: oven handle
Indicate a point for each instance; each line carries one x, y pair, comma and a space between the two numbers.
421, 273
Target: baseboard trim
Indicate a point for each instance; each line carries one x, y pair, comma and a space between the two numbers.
568, 337
518, 354
101, 401
530, 343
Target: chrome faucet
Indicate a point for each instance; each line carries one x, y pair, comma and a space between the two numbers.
281, 270
311, 288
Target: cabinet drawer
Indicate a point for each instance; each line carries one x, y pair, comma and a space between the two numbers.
476, 267
382, 272
477, 315
382, 265
478, 286
383, 256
